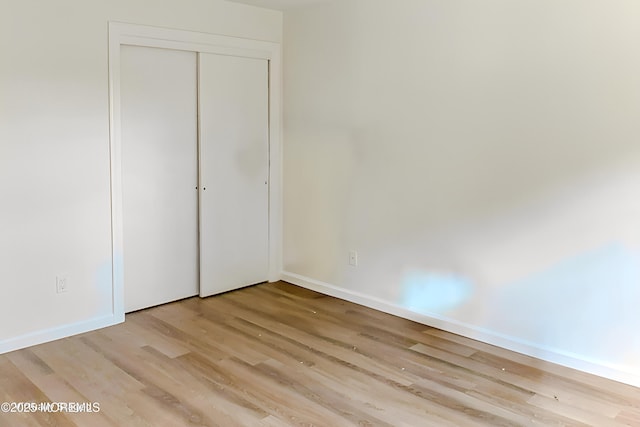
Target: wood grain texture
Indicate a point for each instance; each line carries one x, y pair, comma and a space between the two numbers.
279, 355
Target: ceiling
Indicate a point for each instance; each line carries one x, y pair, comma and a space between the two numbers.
277, 4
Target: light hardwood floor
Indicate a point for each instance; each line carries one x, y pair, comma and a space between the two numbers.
279, 355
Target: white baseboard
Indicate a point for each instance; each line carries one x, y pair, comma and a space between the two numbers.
538, 351
52, 334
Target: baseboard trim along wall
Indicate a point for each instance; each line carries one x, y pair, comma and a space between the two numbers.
52, 334
574, 361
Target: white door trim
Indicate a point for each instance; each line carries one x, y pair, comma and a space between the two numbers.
140, 35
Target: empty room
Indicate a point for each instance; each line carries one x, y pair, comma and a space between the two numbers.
320, 212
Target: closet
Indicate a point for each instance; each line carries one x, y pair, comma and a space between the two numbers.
195, 173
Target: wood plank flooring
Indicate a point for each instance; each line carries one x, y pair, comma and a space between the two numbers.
279, 355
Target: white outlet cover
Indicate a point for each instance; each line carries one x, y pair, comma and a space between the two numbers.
61, 284
353, 258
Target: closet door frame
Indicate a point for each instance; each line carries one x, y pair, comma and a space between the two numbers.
141, 35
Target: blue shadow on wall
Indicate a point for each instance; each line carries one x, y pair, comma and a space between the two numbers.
430, 292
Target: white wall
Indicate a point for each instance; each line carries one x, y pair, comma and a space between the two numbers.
483, 159
54, 151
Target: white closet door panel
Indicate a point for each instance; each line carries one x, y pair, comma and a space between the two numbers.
159, 174
234, 167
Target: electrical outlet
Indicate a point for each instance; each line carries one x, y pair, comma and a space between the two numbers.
61, 284
353, 258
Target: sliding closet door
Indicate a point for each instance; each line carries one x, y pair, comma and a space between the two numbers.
234, 168
159, 167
